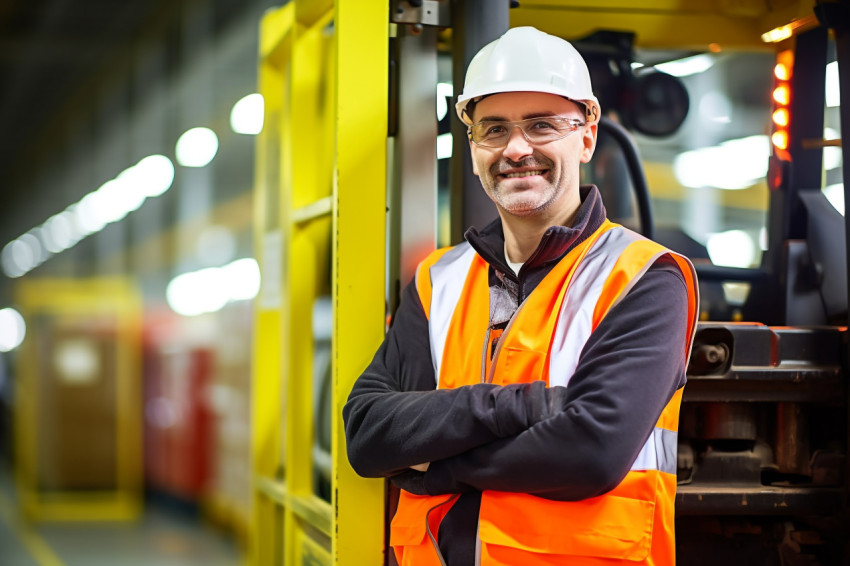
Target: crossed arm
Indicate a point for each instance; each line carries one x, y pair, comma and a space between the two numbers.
554, 442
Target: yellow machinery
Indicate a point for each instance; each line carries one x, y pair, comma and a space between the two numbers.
346, 203
321, 203
78, 417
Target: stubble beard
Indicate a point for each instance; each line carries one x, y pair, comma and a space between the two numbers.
522, 199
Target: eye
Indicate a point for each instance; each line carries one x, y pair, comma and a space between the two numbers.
494, 130
543, 125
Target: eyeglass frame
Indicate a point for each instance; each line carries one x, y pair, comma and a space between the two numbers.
576, 123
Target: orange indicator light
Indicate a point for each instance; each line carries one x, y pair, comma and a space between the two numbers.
782, 94
780, 139
781, 117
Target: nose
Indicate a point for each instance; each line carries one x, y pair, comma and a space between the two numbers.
518, 146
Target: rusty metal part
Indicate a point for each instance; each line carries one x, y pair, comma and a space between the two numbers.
792, 439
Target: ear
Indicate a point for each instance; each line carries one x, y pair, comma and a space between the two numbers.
588, 140
472, 155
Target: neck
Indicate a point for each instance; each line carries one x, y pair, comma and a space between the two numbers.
523, 233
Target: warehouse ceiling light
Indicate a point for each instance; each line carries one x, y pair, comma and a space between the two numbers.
156, 174
22, 255
687, 66
246, 117
57, 233
241, 279
88, 216
444, 146
444, 91
196, 147
833, 92
732, 248
12, 329
732, 165
210, 289
831, 154
111, 202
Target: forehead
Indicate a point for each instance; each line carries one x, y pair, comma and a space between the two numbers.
519, 105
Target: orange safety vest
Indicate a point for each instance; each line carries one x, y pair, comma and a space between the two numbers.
635, 521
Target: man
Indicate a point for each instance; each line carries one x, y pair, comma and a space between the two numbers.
526, 397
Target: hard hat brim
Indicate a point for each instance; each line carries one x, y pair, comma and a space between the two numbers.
464, 99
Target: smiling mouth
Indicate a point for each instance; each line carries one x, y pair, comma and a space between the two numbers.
520, 174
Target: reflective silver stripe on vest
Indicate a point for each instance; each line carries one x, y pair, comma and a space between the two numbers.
576, 318
447, 278
659, 452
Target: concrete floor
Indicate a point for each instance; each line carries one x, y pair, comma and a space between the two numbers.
164, 536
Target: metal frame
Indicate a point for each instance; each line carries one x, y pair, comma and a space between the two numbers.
476, 23
694, 24
321, 201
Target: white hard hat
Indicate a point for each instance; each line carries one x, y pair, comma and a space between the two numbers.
526, 59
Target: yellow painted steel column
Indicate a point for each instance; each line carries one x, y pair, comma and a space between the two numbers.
267, 404
306, 215
362, 35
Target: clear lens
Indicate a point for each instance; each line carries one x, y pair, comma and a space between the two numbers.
494, 133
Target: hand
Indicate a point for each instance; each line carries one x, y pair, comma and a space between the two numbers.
421, 467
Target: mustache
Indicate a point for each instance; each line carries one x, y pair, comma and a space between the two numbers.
533, 162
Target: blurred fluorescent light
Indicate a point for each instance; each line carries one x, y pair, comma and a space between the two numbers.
76, 231
782, 33
132, 189
835, 195
88, 214
246, 117
22, 255
444, 146
197, 292
77, 361
242, 278
111, 202
733, 248
833, 92
13, 329
831, 154
156, 174
734, 164
777, 34
56, 233
208, 290
196, 147
35, 251
687, 66
9, 258
444, 90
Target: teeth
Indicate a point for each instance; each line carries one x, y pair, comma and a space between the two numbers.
523, 174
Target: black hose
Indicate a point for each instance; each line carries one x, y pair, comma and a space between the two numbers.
630, 151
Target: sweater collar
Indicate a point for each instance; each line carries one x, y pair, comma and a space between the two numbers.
556, 241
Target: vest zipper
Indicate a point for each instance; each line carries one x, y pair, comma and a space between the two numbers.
484, 356
428, 527
492, 372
